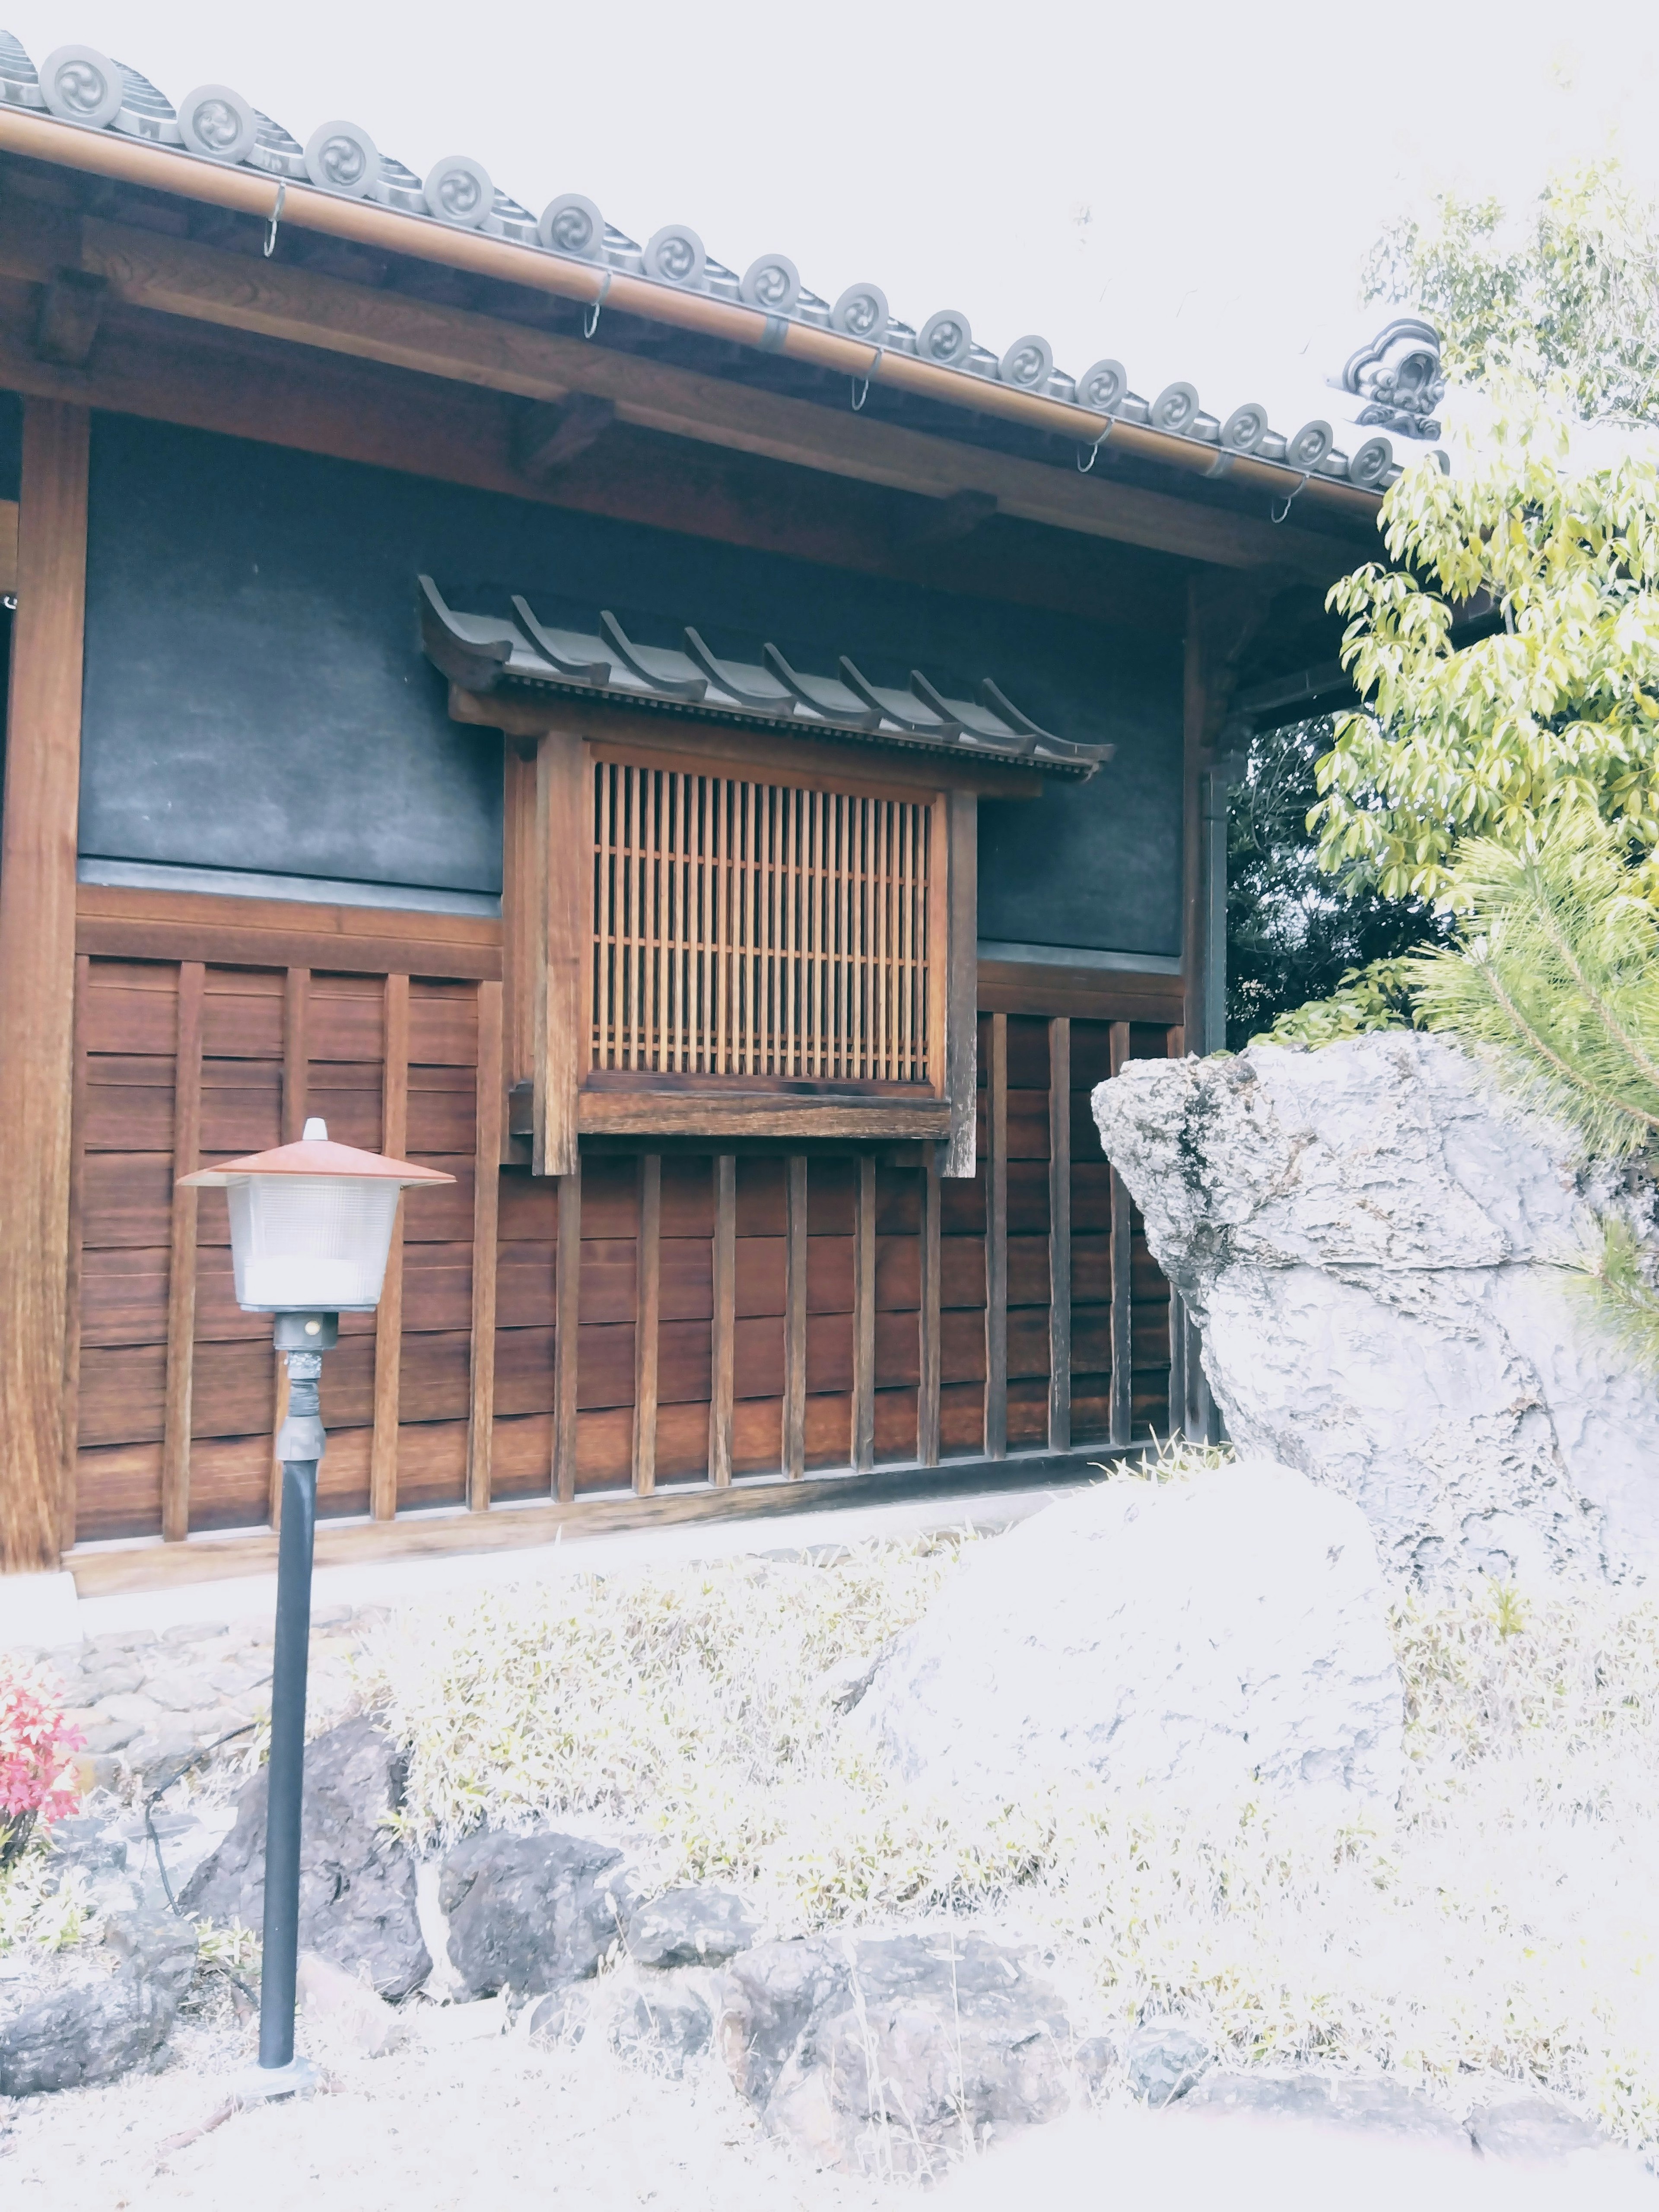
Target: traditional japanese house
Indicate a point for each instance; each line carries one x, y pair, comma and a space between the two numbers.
717, 771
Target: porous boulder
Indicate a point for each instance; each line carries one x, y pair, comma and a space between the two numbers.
1377, 1248
94, 2013
694, 1926
1204, 1637
890, 2055
532, 1913
357, 1891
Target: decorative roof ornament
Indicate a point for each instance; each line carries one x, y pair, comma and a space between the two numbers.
1399, 378
458, 190
342, 157
218, 124
862, 313
1028, 363
946, 339
20, 80
773, 282
572, 224
674, 255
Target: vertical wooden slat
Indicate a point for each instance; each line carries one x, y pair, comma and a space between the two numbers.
1060, 1235
604, 917
996, 1244
486, 1199
928, 1320
522, 923
864, 1317
37, 975
567, 1298
794, 1320
723, 1334
1121, 1404
296, 1081
66, 1507
646, 1305
389, 1314
960, 965
181, 1257
564, 803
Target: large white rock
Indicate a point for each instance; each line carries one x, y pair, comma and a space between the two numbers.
1203, 1636
1377, 1246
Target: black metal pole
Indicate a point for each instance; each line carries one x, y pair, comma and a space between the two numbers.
303, 1338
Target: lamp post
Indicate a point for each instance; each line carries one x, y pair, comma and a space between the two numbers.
310, 1228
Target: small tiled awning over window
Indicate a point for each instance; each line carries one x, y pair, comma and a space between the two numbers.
488, 653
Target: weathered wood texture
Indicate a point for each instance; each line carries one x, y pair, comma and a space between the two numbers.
800, 1314
37, 977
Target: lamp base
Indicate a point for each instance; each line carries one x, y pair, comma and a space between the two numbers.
257, 2085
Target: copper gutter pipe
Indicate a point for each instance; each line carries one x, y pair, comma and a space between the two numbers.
251, 192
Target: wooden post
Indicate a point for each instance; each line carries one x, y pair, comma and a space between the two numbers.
1121, 1414
389, 1314
647, 1300
794, 1321
37, 976
927, 1322
486, 1203
1060, 1235
722, 1374
567, 1294
962, 983
181, 1258
67, 1502
864, 1317
996, 1247
521, 919
565, 852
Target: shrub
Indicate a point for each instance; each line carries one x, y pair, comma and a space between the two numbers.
37, 1785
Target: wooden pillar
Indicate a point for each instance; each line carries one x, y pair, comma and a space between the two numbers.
564, 836
1121, 1414
647, 1304
181, 1258
1060, 1235
37, 976
927, 1321
996, 1245
389, 1314
723, 1340
962, 983
794, 1321
864, 1317
567, 1296
486, 1206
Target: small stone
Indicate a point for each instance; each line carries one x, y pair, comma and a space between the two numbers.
1532, 2128
690, 1927
176, 1693
664, 2025
1096, 2059
133, 1706
194, 1632
1165, 2059
123, 1639
347, 2012
83, 1841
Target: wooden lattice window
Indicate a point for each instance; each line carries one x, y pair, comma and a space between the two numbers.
755, 929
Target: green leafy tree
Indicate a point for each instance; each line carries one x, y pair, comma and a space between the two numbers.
1566, 290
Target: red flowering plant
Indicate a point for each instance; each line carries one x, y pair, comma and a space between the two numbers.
37, 1783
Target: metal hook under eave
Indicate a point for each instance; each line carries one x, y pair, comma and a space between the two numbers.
1291, 498
276, 217
591, 320
861, 389
1084, 467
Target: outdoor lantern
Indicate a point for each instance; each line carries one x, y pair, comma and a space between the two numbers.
310, 1225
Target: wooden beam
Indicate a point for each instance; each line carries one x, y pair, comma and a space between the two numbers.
564, 834
567, 1308
124, 924
1059, 1234
181, 1257
72, 1301
961, 984
548, 435
647, 1307
8, 546
37, 976
72, 309
486, 1203
996, 1243
389, 1314
945, 520
175, 277
1121, 1403
722, 1373
927, 1321
793, 1460
863, 1454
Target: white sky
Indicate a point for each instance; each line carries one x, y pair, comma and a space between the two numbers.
1188, 187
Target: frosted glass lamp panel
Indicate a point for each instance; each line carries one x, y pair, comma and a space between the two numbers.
311, 1243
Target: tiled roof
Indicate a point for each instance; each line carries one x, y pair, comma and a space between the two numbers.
485, 653
1379, 405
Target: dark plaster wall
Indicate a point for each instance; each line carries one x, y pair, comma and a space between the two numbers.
255, 698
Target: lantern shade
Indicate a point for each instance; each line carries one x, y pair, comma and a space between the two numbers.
311, 1223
